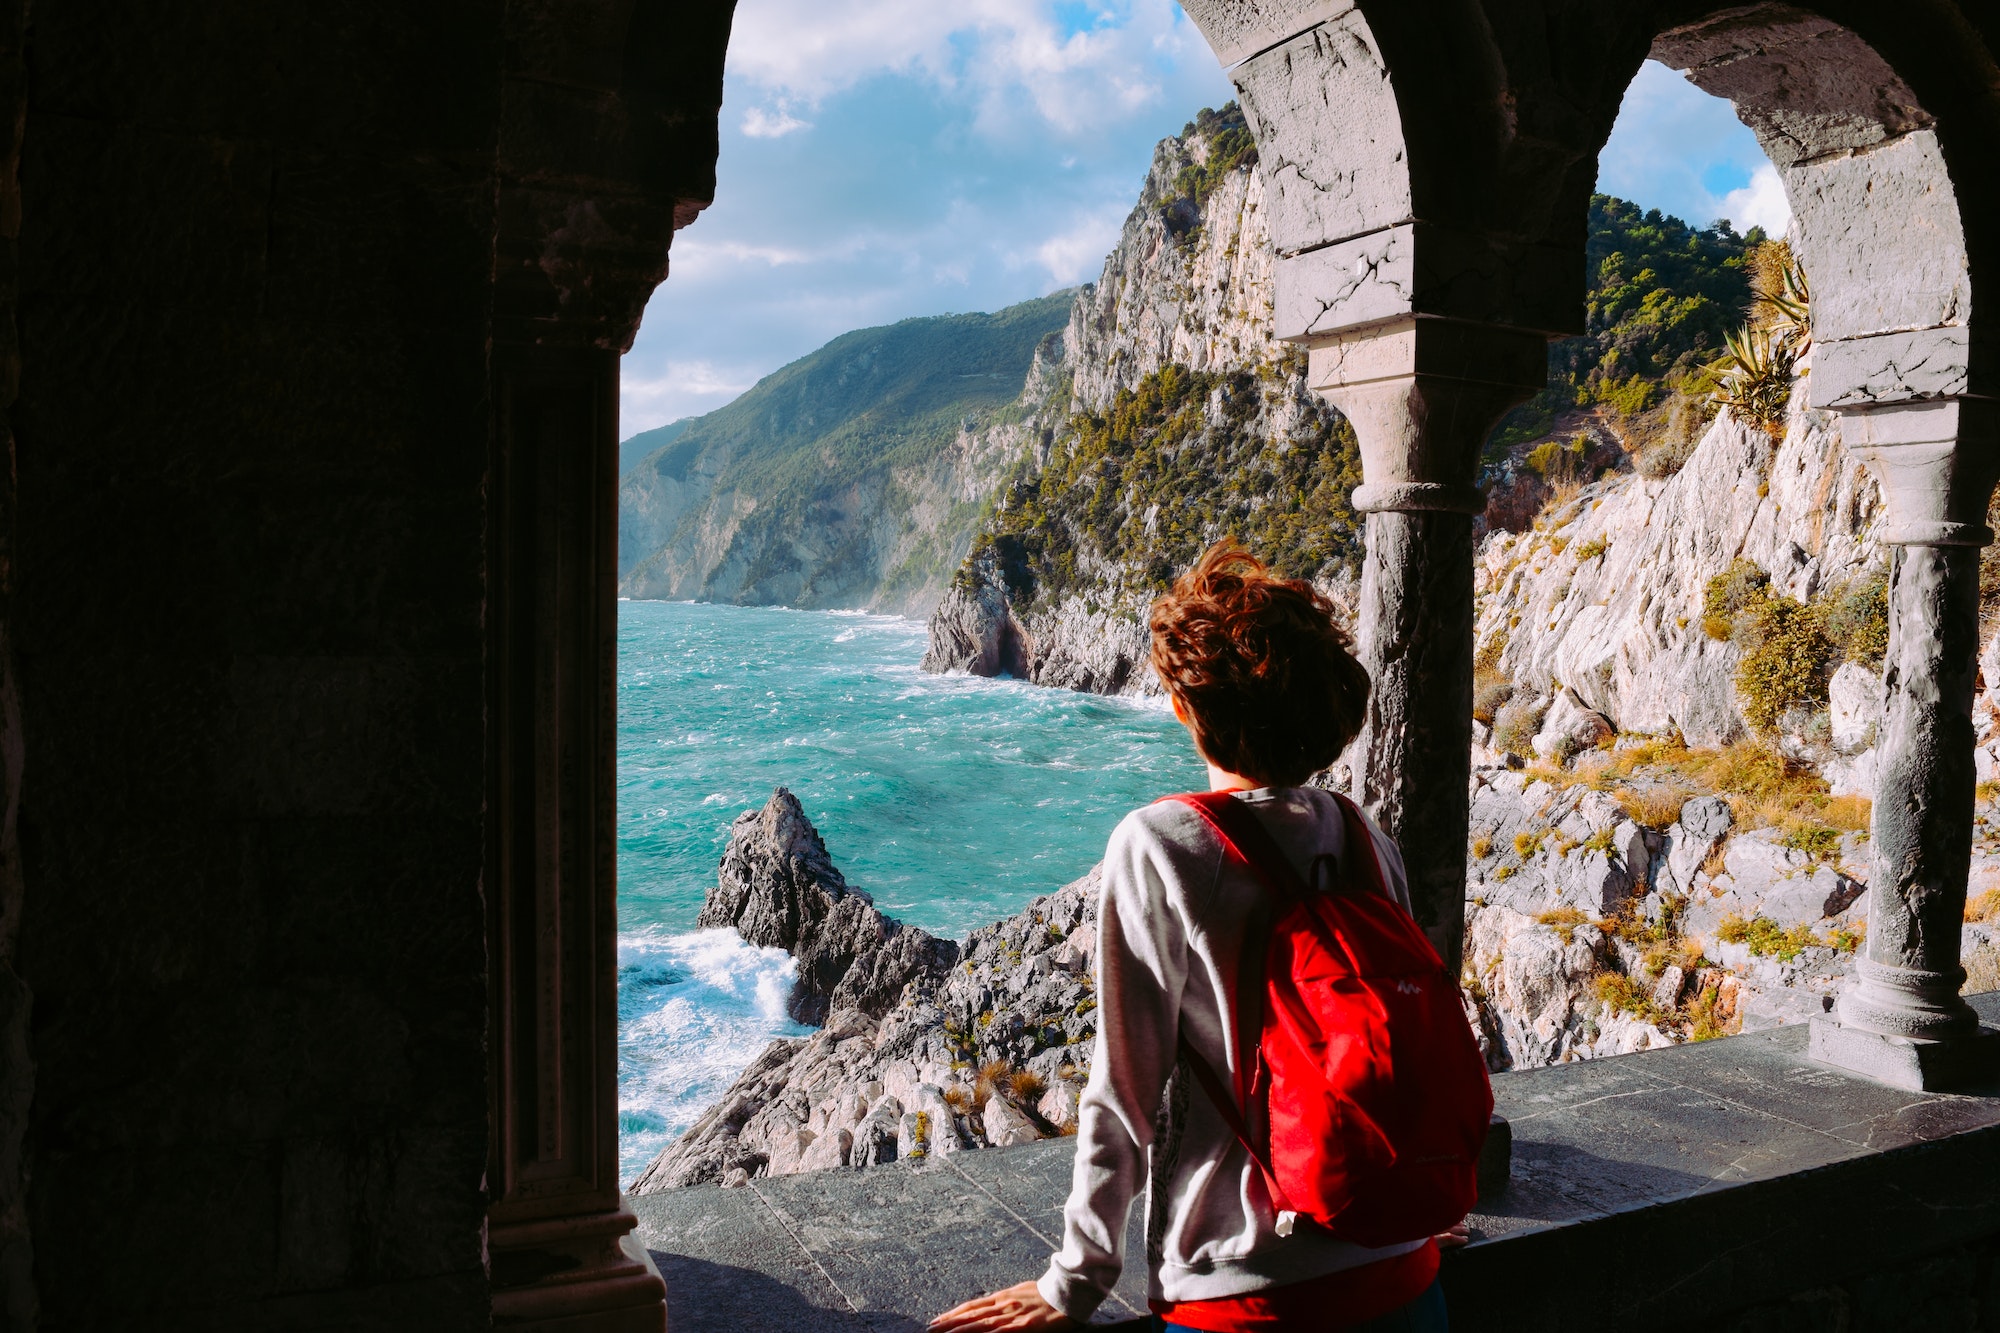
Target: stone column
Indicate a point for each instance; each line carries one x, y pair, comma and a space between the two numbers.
559, 1235
1422, 395
1902, 1020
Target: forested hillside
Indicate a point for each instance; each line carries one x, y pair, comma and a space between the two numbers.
852, 474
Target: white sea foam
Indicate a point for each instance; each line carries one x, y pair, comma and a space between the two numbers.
693, 1010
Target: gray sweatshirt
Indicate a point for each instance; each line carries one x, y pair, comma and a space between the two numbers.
1171, 930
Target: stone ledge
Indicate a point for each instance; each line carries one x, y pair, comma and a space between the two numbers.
1696, 1183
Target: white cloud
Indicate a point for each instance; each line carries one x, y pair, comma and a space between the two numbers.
1077, 254
762, 124
1761, 203
1005, 56
682, 388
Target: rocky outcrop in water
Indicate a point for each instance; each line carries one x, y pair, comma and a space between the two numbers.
990, 1051
778, 888
973, 628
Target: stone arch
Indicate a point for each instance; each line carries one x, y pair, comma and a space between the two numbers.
1429, 164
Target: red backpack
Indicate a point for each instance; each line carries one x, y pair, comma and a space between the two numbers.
1378, 1098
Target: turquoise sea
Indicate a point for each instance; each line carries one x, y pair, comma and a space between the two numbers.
952, 800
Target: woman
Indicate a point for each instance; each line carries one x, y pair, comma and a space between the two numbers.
1261, 675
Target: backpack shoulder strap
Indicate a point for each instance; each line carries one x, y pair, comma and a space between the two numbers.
1245, 838
1364, 863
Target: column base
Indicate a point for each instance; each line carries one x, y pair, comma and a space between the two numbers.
588, 1274
1914, 1063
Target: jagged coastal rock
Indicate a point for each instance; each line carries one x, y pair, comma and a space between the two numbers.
779, 888
981, 1046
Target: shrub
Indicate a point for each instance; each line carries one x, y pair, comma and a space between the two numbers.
1742, 586
1688, 415
1656, 808
1986, 907
1815, 840
1026, 1085
1490, 692
1591, 549
1857, 619
1766, 937
1622, 994
1482, 847
1787, 668
1527, 844
1515, 725
1561, 464
1564, 921
1704, 1023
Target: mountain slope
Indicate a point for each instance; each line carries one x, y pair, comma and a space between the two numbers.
852, 477
634, 450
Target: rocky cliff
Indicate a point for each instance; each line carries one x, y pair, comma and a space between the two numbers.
926, 1047
1183, 422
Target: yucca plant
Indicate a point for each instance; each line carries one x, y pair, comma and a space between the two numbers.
1755, 380
1789, 307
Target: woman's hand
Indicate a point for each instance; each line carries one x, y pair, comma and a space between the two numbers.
1453, 1237
1017, 1307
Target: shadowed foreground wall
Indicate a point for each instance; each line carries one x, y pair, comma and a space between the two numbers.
254, 434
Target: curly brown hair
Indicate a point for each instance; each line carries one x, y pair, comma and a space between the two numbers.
1261, 668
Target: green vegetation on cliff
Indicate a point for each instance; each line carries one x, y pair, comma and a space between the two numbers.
818, 440
1660, 299
1175, 464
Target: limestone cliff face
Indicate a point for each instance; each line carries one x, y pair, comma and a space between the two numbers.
1187, 291
1604, 599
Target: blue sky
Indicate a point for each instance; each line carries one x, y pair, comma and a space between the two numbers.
891, 158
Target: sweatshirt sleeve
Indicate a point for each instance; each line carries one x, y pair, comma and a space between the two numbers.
1141, 970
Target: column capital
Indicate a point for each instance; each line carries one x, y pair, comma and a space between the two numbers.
1936, 462
1422, 395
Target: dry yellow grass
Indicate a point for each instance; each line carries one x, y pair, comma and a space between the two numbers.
1984, 908
1651, 807
1564, 921
1764, 789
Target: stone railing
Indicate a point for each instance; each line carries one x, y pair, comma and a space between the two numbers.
1727, 1184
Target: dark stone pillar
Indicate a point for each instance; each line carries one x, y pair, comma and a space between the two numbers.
606, 147
1903, 1020
17, 1069
558, 1229
1422, 395
1413, 760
